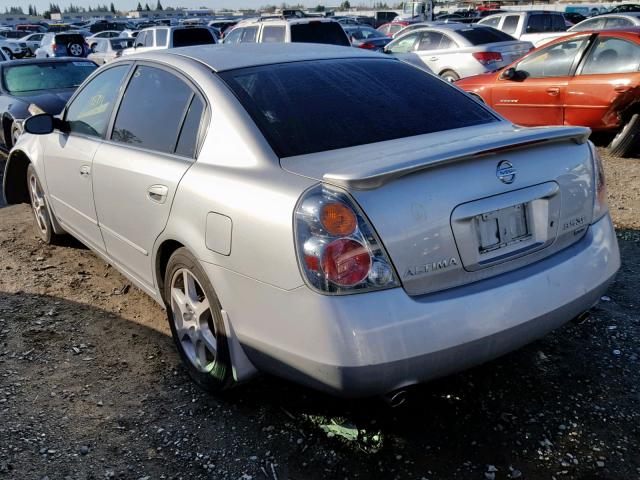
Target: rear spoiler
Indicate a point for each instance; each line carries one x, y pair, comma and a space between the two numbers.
378, 173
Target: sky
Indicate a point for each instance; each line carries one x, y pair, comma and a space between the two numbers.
131, 4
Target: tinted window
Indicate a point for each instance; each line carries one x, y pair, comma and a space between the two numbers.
46, 76
273, 34
148, 40
192, 36
301, 118
188, 141
540, 22
482, 36
161, 37
553, 61
69, 38
612, 55
319, 32
121, 43
90, 111
510, 24
618, 22
142, 118
403, 44
429, 41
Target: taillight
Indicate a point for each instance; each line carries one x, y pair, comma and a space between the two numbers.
600, 205
54, 47
367, 46
485, 58
337, 249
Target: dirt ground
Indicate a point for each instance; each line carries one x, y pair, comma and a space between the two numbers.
91, 387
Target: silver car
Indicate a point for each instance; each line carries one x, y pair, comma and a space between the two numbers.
357, 257
458, 50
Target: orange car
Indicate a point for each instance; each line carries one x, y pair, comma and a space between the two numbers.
590, 79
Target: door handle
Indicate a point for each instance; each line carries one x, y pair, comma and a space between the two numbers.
157, 193
553, 91
85, 171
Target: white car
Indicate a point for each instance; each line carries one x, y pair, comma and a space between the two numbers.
601, 22
286, 30
531, 26
33, 41
104, 34
458, 50
13, 48
161, 38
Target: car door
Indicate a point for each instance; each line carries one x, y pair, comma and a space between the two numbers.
429, 51
606, 82
537, 94
68, 154
137, 171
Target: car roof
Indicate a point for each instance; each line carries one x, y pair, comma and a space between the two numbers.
38, 61
628, 32
278, 19
221, 57
615, 14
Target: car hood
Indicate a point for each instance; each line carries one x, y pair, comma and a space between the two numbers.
51, 101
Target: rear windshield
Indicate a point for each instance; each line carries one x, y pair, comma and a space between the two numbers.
484, 35
46, 76
192, 36
66, 39
121, 43
315, 106
319, 32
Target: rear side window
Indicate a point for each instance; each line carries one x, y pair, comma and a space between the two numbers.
142, 120
491, 22
543, 22
319, 32
161, 37
430, 41
69, 39
510, 24
273, 34
612, 55
482, 36
618, 22
314, 106
234, 35
188, 141
192, 36
554, 61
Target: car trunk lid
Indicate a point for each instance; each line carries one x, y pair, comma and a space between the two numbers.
459, 206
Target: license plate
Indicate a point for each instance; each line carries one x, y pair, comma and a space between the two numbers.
501, 228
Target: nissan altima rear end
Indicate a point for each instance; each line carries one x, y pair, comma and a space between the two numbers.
315, 239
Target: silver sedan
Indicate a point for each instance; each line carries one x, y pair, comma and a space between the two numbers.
326, 214
457, 50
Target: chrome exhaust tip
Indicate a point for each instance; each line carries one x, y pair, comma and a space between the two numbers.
583, 317
396, 398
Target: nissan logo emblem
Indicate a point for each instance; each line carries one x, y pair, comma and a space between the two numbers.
506, 172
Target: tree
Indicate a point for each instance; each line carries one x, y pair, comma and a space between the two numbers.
159, 6
112, 8
319, 8
146, 7
345, 5
139, 7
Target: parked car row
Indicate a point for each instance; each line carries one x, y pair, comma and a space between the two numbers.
301, 219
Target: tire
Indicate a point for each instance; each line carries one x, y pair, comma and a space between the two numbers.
193, 311
450, 76
40, 209
626, 140
75, 49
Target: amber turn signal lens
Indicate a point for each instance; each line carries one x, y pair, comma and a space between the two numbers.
338, 219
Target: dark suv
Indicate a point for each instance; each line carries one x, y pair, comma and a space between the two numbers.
66, 44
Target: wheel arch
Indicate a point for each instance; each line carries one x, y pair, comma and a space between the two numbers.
163, 254
7, 121
15, 178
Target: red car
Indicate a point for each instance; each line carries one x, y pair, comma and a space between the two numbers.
590, 79
391, 28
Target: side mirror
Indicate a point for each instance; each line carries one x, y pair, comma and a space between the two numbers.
41, 124
508, 74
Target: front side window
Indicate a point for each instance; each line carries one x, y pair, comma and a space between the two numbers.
491, 22
234, 36
510, 24
90, 110
554, 61
612, 55
404, 44
272, 34
294, 104
142, 120
249, 35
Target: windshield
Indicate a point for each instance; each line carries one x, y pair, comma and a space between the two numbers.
46, 76
315, 106
484, 35
319, 32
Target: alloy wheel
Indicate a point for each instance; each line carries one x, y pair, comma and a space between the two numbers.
191, 315
38, 204
75, 49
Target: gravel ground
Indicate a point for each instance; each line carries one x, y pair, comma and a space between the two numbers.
91, 387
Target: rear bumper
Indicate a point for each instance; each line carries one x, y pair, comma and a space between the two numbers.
373, 343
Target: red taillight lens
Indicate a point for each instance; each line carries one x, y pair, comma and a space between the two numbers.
367, 46
54, 47
346, 262
486, 58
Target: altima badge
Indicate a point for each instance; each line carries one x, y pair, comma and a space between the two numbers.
506, 172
